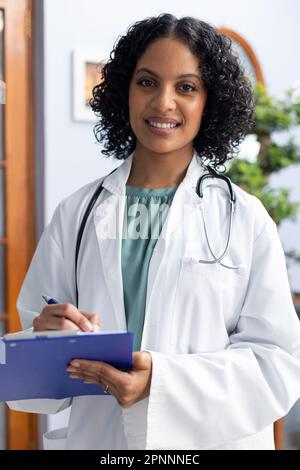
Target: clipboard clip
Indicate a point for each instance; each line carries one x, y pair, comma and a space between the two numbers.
30, 334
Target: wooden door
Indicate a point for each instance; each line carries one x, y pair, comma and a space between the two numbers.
17, 208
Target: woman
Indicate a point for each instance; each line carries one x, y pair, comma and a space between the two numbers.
217, 345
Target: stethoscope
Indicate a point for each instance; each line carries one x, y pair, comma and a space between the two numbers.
199, 191
232, 201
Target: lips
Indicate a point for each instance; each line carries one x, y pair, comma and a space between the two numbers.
162, 120
162, 128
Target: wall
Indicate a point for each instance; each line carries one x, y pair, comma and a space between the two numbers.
71, 157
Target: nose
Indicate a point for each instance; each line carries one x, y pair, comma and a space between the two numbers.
164, 100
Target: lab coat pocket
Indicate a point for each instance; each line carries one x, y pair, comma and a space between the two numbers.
55, 440
207, 305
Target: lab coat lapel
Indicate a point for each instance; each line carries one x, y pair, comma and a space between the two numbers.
184, 200
108, 221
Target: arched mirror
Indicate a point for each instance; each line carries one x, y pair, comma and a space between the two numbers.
250, 147
246, 55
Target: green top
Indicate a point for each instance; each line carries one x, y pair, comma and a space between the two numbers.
145, 213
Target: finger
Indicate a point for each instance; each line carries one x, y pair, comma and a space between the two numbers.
96, 328
41, 323
70, 312
73, 370
83, 376
94, 319
91, 379
141, 360
103, 370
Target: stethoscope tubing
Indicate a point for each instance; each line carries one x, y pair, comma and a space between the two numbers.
199, 190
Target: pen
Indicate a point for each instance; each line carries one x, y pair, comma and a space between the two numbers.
49, 300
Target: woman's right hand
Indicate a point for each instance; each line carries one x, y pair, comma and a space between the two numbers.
65, 317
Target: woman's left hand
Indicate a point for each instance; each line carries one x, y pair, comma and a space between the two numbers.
127, 387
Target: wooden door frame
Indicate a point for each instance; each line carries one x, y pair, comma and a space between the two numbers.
20, 181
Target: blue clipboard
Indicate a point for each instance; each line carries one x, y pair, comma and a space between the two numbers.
36, 367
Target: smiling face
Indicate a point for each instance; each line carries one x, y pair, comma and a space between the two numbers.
166, 98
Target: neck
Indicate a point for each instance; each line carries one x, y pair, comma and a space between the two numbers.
152, 170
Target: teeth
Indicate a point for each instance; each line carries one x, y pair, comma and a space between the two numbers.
162, 125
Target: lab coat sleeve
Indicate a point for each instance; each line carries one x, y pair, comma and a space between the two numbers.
46, 275
41, 406
208, 399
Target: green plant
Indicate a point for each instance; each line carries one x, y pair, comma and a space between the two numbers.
271, 115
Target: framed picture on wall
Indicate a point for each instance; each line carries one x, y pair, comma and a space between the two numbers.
87, 66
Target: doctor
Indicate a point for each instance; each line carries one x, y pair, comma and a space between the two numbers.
217, 345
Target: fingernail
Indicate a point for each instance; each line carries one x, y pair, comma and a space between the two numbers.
87, 326
75, 364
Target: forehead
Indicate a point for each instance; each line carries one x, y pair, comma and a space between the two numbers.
167, 55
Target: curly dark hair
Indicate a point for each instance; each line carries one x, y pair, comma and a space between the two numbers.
229, 109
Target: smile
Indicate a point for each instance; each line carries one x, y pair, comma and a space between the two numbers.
161, 128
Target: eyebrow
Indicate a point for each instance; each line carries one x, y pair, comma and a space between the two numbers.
184, 75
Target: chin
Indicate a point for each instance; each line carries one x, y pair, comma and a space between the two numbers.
162, 147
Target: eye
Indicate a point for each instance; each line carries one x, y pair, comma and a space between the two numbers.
187, 87
145, 82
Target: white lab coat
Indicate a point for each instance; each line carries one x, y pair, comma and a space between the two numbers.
225, 344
